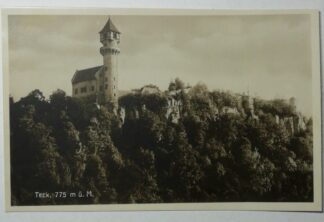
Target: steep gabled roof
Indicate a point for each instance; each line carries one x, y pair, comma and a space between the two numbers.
85, 74
109, 27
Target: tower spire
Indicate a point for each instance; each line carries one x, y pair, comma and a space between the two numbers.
109, 27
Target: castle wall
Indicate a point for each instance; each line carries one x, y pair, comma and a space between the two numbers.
90, 88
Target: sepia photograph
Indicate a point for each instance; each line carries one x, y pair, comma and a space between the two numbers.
159, 110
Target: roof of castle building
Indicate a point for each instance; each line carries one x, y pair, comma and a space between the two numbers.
149, 89
109, 27
85, 74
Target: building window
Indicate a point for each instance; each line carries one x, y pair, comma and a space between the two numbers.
114, 94
106, 86
106, 79
114, 87
101, 88
92, 88
83, 89
76, 91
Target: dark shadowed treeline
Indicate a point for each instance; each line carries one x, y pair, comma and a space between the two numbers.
68, 144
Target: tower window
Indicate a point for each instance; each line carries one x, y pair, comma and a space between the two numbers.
114, 87
76, 91
114, 94
83, 89
101, 88
106, 86
92, 88
106, 79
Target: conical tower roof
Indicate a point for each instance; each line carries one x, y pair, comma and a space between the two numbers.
109, 27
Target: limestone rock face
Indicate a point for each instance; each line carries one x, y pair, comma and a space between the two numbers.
121, 114
229, 110
300, 123
244, 106
173, 109
293, 124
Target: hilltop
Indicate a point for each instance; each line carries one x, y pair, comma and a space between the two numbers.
186, 144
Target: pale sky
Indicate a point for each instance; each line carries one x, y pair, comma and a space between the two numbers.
268, 54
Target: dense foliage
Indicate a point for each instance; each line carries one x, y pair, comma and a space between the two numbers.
68, 144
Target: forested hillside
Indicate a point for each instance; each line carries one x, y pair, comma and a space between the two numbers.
207, 155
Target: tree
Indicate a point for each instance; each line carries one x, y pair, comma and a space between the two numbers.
184, 171
177, 84
73, 144
58, 100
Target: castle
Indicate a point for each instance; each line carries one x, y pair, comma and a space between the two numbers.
101, 82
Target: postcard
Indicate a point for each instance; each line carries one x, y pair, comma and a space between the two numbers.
124, 109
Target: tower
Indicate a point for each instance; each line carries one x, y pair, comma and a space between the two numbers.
109, 37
